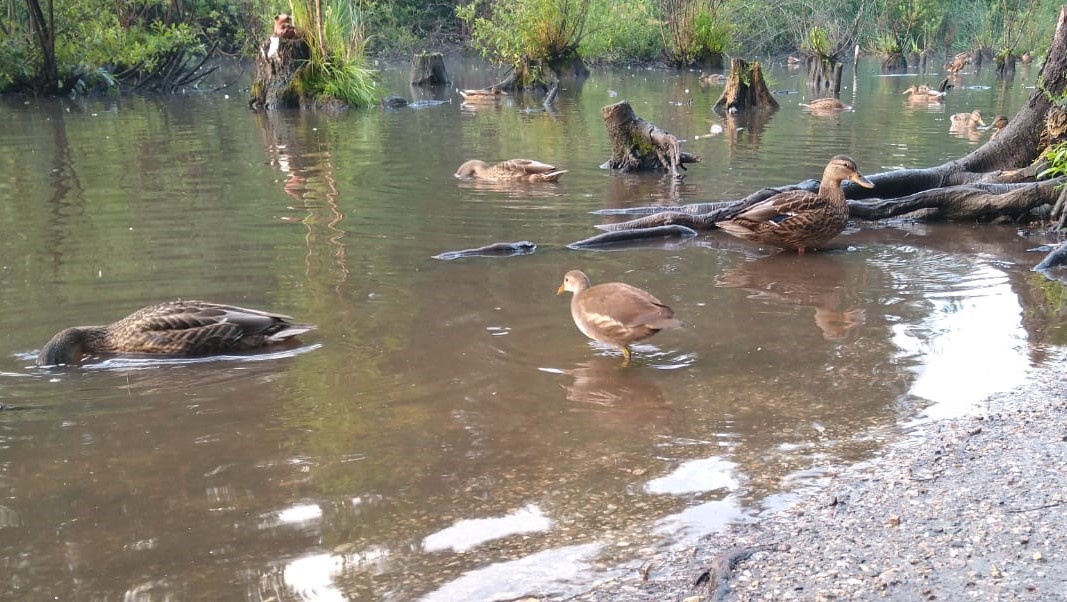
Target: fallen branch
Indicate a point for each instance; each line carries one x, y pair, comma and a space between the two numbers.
722, 567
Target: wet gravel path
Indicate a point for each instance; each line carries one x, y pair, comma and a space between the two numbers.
970, 508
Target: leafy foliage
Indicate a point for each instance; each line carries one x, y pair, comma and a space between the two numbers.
337, 67
520, 31
622, 31
1056, 156
693, 30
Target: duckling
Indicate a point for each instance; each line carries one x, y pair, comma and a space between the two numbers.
999, 123
798, 219
176, 328
966, 120
615, 313
513, 169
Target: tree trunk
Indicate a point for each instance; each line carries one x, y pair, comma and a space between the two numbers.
428, 69
44, 29
992, 182
745, 89
825, 75
1006, 66
637, 145
276, 71
894, 62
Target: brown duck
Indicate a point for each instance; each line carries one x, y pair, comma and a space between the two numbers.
799, 219
176, 328
615, 313
825, 104
966, 120
514, 169
924, 94
999, 123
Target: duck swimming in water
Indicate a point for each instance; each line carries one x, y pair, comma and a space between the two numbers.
176, 328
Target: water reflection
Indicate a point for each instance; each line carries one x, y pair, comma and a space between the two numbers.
744, 130
469, 533
307, 165
818, 281
614, 390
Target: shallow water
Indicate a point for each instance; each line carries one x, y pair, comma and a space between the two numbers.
447, 433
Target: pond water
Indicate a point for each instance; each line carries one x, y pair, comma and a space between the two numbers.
447, 433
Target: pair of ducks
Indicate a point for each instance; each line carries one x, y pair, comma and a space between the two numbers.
618, 314
614, 313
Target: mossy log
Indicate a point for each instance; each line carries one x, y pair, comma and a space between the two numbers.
428, 69
278, 62
745, 89
637, 145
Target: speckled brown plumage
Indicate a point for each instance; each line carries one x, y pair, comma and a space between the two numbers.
512, 169
999, 123
825, 104
615, 313
177, 328
923, 94
966, 120
799, 219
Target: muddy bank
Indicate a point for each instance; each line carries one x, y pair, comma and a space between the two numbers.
965, 508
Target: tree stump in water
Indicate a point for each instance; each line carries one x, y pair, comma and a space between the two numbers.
428, 69
637, 145
745, 89
277, 64
894, 62
825, 75
1005, 66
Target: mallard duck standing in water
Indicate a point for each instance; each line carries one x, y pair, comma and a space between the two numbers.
799, 219
967, 120
177, 328
514, 169
615, 313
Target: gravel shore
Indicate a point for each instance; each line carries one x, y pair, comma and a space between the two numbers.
971, 508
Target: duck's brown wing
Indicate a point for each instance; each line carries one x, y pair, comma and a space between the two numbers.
199, 327
782, 207
628, 306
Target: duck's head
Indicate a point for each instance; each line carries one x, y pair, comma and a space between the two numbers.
976, 116
842, 168
471, 168
66, 347
574, 281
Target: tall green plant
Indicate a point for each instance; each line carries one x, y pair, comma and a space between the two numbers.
515, 32
622, 31
338, 64
693, 30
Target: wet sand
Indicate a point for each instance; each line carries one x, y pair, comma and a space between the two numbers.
971, 508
